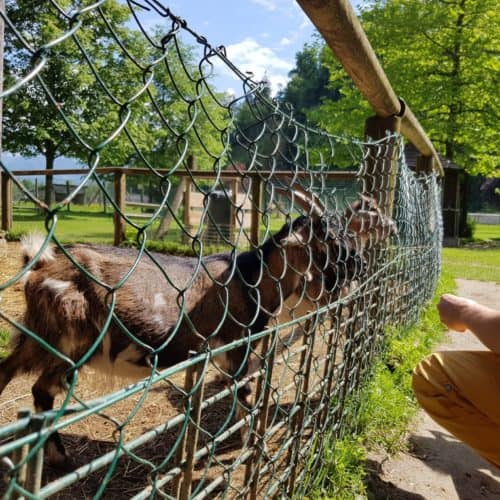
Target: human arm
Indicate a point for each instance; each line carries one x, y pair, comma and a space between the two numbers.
461, 314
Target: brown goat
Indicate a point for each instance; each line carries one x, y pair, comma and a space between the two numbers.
173, 305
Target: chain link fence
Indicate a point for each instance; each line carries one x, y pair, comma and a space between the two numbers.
237, 361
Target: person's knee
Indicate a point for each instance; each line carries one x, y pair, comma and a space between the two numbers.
423, 369
428, 376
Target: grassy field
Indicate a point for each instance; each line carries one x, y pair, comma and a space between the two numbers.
80, 224
89, 224
484, 232
472, 263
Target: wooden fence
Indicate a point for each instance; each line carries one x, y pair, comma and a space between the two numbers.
192, 200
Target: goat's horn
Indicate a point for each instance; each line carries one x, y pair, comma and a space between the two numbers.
310, 194
302, 198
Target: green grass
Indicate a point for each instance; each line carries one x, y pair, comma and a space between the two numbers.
4, 342
472, 263
379, 415
81, 224
485, 232
88, 224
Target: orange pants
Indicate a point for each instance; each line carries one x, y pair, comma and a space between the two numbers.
460, 390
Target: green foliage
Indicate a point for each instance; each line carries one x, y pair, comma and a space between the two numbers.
442, 58
308, 84
32, 124
94, 101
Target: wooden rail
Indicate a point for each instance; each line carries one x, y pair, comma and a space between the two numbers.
338, 24
119, 176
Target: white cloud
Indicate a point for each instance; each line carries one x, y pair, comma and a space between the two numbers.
286, 41
263, 62
267, 4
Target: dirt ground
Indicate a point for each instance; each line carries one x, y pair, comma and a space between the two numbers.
437, 466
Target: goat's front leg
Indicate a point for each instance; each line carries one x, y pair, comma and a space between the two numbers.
46, 388
244, 364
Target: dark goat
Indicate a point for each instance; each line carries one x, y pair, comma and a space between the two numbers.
201, 305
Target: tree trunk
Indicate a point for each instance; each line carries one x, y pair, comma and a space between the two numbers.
174, 205
176, 202
49, 179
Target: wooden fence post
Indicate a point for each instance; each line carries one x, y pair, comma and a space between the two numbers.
6, 189
256, 195
232, 214
120, 193
379, 177
68, 192
379, 167
425, 164
187, 447
187, 204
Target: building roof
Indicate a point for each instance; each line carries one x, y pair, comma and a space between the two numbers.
411, 154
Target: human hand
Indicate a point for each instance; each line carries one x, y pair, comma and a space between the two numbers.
453, 311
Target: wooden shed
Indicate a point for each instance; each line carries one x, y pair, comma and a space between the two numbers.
453, 192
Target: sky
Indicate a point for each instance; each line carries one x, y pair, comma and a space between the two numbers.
261, 36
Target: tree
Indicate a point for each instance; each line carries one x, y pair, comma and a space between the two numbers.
32, 123
441, 57
106, 97
309, 81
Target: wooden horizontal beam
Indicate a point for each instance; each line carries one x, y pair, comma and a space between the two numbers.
338, 174
338, 24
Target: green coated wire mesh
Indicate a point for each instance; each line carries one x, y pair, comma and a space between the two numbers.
217, 371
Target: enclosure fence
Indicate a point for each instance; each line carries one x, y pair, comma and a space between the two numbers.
249, 355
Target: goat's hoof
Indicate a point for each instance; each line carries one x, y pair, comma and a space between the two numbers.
68, 465
57, 457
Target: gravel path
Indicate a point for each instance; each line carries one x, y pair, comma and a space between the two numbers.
438, 466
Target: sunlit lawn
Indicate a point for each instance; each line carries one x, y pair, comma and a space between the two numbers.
471, 263
89, 224
481, 263
487, 232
